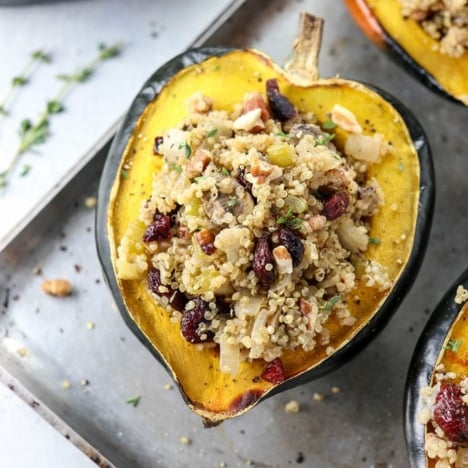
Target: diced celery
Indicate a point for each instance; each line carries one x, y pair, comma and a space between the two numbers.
282, 154
193, 207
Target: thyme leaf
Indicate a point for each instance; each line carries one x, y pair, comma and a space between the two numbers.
329, 125
454, 345
290, 221
328, 306
133, 401
186, 147
325, 139
374, 240
212, 133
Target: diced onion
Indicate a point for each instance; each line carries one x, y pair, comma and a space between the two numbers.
363, 147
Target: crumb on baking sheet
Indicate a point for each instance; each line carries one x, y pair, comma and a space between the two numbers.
57, 287
461, 295
292, 407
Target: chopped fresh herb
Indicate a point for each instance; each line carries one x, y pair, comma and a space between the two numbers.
187, 149
25, 170
454, 345
199, 178
175, 167
325, 139
232, 202
224, 171
283, 134
216, 67
290, 220
133, 401
329, 125
124, 174
374, 240
328, 306
401, 166
3, 111
212, 133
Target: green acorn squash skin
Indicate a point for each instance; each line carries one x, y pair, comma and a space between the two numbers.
425, 357
246, 400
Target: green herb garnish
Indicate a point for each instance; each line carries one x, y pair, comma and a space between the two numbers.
133, 401
175, 167
124, 174
18, 81
199, 178
283, 134
324, 139
454, 345
232, 202
328, 306
188, 150
35, 133
401, 166
374, 240
329, 125
212, 133
224, 171
290, 220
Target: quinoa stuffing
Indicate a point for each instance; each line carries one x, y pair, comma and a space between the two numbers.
256, 227
446, 21
445, 406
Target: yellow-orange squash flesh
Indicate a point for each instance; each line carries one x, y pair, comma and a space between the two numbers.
451, 73
212, 394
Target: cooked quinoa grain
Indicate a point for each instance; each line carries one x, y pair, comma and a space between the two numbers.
444, 20
256, 228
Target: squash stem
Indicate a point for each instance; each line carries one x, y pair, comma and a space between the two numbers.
303, 65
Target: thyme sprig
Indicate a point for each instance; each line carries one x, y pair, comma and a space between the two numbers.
20, 80
35, 133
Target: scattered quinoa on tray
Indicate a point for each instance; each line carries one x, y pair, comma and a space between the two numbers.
255, 229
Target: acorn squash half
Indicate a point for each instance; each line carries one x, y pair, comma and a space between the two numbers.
444, 340
411, 47
402, 225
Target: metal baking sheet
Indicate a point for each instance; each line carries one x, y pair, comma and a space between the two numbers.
149, 33
48, 341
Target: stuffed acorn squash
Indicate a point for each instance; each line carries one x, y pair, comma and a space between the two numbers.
258, 226
436, 416
430, 40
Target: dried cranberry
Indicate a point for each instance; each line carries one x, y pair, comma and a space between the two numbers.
451, 413
191, 320
243, 181
176, 299
160, 228
158, 141
279, 104
274, 372
262, 258
336, 205
292, 243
